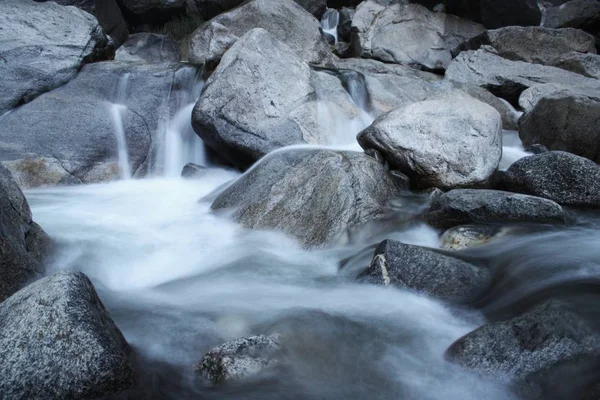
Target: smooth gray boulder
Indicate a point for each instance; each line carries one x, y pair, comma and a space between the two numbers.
564, 121
471, 206
390, 86
191, 170
530, 97
59, 342
556, 175
288, 191
409, 34
241, 358
531, 350
584, 64
438, 144
261, 97
582, 14
36, 52
536, 44
69, 135
148, 47
285, 20
508, 79
425, 270
24, 246
467, 236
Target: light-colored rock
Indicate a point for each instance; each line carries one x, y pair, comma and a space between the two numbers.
467, 236
530, 97
584, 64
42, 46
148, 47
438, 144
285, 20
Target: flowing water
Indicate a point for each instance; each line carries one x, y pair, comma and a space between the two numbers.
116, 112
329, 23
179, 280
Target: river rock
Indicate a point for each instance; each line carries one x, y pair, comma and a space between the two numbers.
530, 97
390, 86
59, 342
24, 246
425, 270
584, 64
426, 38
262, 97
582, 14
531, 350
564, 121
508, 79
241, 358
285, 20
556, 175
536, 44
288, 191
37, 54
471, 206
68, 136
467, 236
438, 144
148, 47
191, 170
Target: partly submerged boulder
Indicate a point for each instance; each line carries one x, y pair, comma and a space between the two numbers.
467, 206
438, 144
315, 195
285, 20
24, 246
425, 270
58, 342
42, 46
556, 175
467, 236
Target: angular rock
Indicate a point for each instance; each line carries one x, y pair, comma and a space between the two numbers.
530, 97
59, 342
262, 97
69, 135
582, 14
24, 246
241, 358
583, 64
285, 20
467, 236
148, 47
409, 34
564, 121
508, 79
530, 350
390, 86
288, 191
471, 206
425, 270
556, 175
438, 144
36, 52
534, 44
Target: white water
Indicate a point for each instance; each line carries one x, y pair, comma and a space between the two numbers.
116, 112
330, 21
512, 149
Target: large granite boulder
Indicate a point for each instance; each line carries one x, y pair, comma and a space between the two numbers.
70, 135
288, 191
469, 206
59, 342
508, 79
438, 144
532, 351
24, 246
261, 97
564, 121
425, 270
37, 53
409, 34
285, 20
582, 14
587, 64
556, 175
530, 97
535, 44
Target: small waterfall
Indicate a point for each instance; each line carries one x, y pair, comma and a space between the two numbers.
329, 23
179, 144
116, 110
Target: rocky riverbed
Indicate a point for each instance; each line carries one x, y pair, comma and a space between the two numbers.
300, 199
